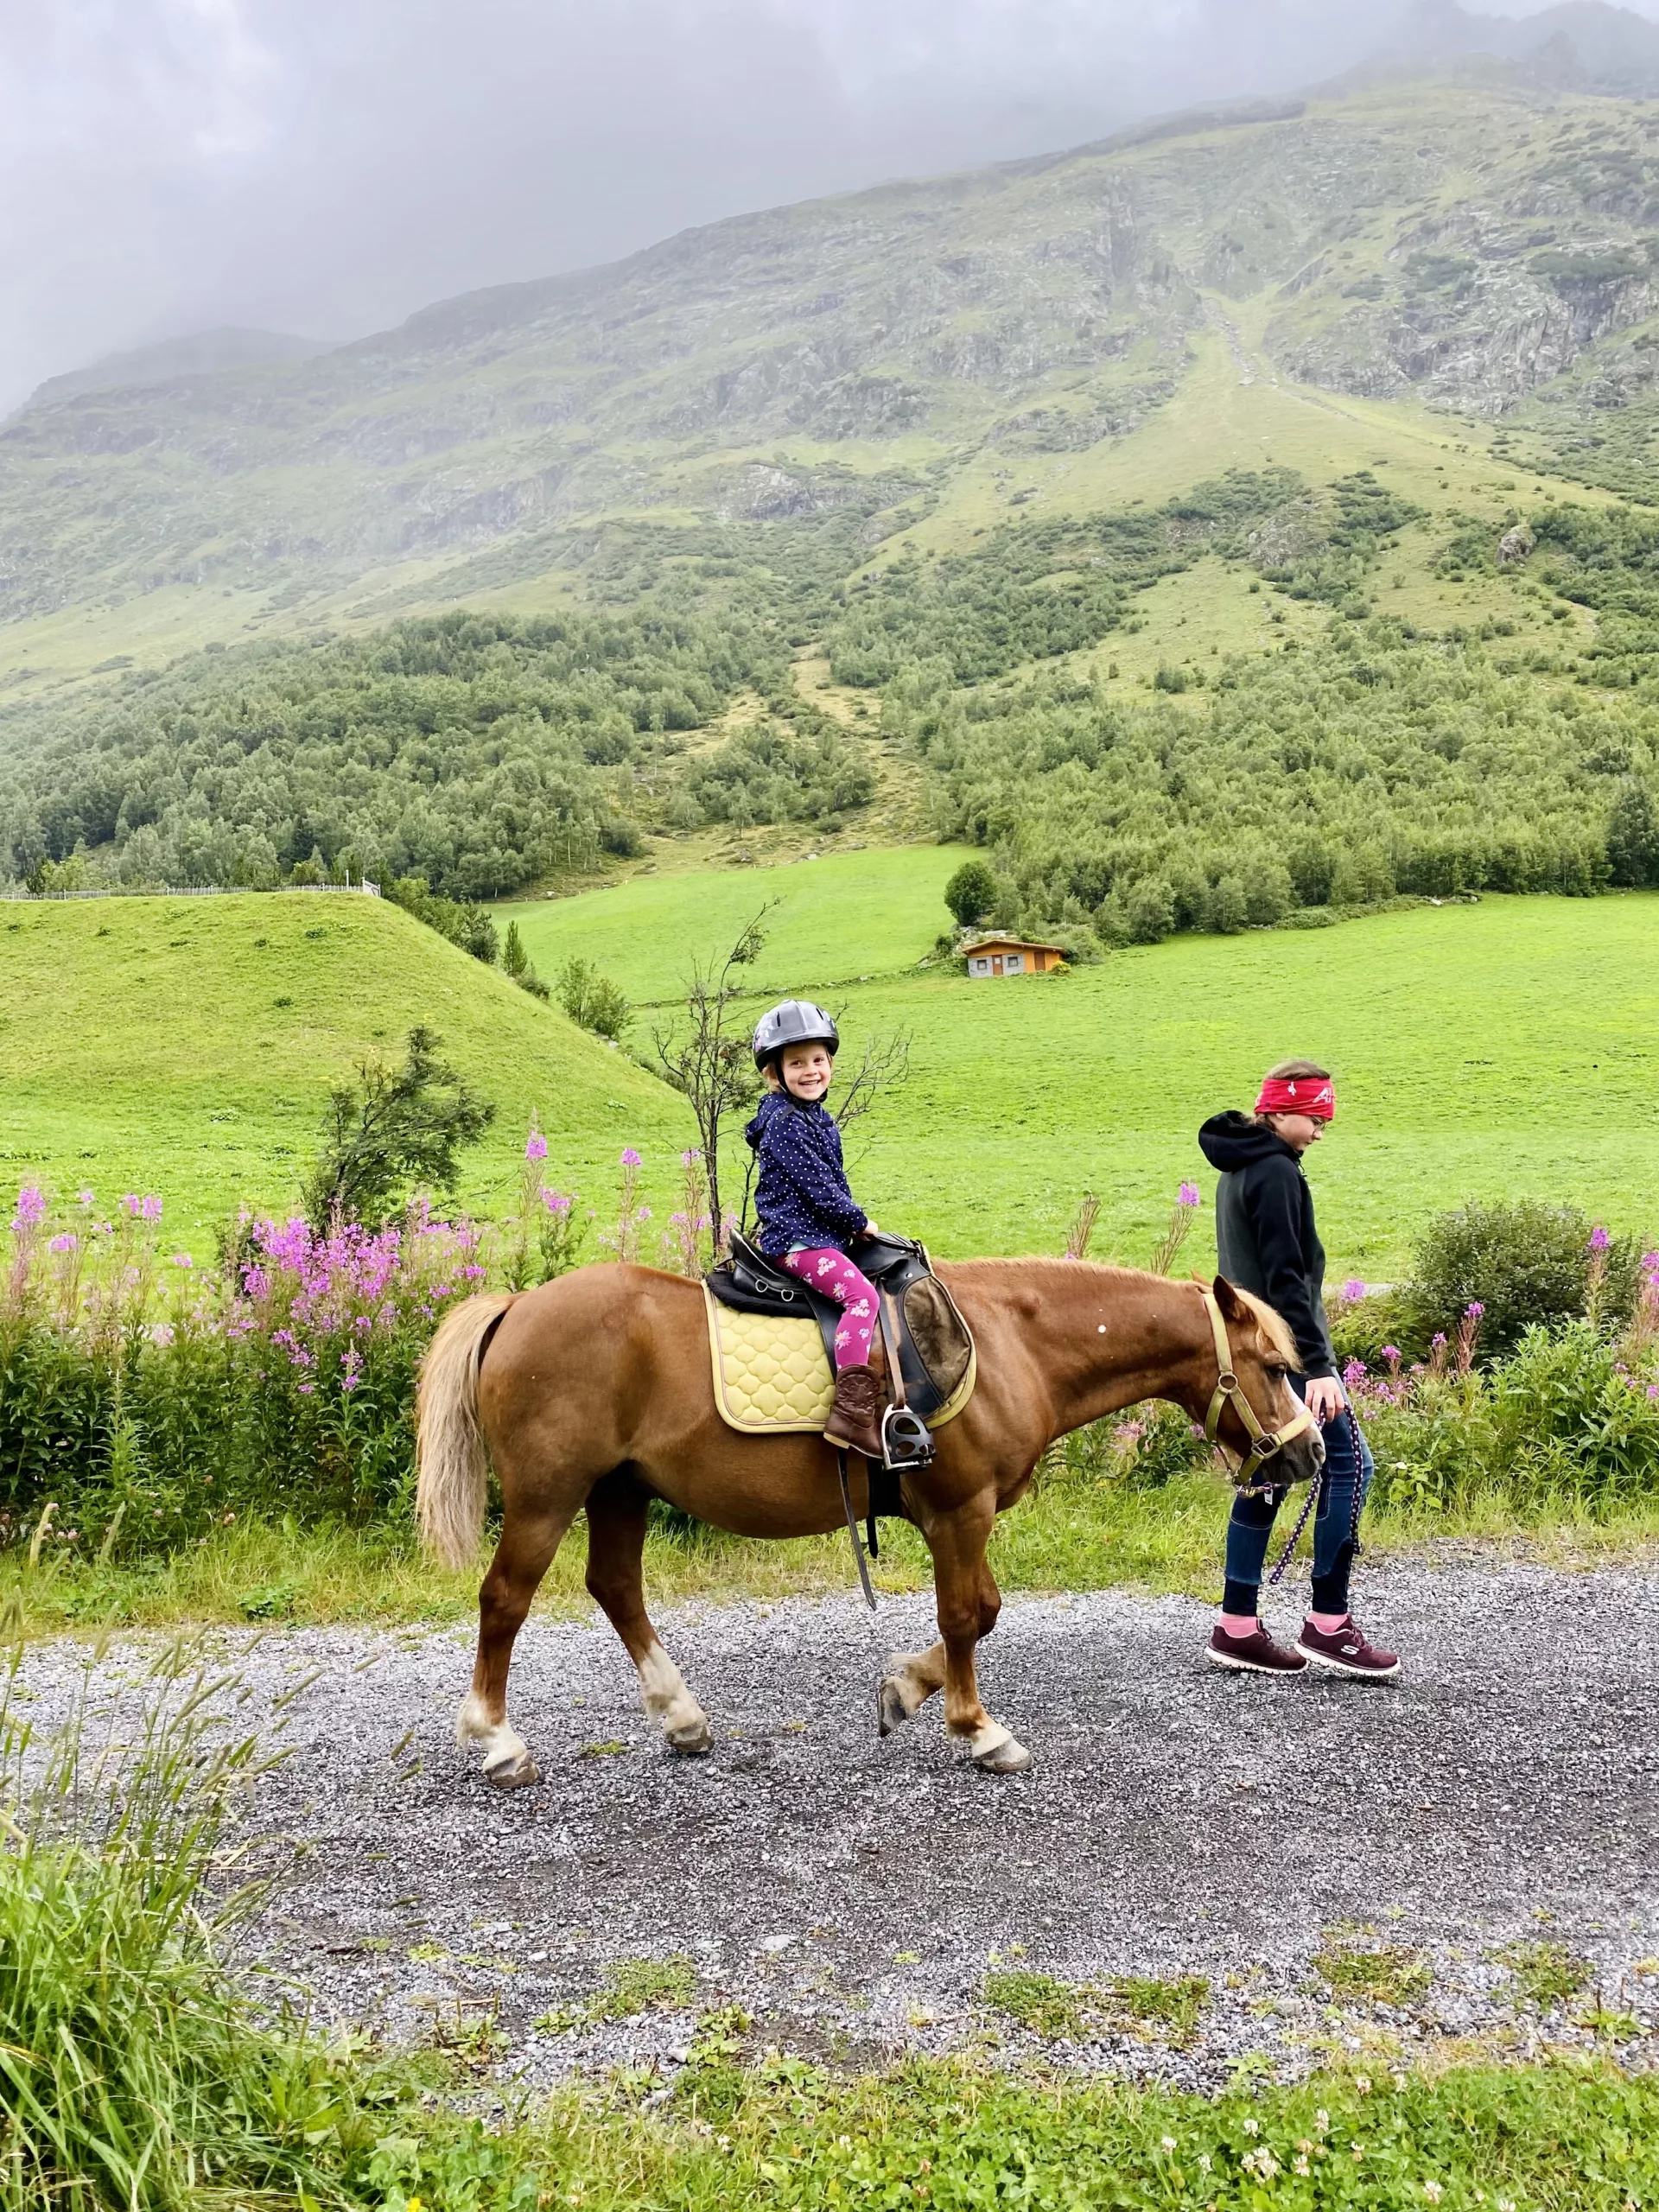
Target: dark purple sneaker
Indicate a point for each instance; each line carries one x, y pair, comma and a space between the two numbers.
1345, 1651
1251, 1655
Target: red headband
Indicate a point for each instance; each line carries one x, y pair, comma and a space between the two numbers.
1312, 1095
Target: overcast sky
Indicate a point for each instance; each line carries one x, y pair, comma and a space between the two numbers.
328, 166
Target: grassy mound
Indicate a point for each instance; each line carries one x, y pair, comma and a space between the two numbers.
187, 1045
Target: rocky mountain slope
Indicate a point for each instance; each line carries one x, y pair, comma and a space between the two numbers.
1482, 241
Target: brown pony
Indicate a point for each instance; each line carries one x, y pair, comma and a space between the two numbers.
596, 1390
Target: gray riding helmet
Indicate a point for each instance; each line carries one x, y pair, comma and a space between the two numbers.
794, 1022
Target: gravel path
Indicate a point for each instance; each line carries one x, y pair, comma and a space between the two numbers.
852, 1894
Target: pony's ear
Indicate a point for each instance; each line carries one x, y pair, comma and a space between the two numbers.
1233, 1307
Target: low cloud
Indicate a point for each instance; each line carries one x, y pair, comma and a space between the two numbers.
328, 166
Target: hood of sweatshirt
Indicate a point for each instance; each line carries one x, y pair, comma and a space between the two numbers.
1232, 1140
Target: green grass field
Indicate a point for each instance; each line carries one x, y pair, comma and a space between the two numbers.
1506, 1048
186, 1045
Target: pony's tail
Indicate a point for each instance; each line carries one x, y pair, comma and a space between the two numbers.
449, 1451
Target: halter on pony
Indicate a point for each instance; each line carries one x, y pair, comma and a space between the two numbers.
1265, 1443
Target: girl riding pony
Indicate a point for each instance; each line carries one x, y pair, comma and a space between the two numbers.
808, 1215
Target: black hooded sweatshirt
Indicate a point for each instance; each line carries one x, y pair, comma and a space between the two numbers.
1264, 1229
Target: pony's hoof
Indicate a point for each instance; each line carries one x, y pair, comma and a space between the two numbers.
1009, 1758
517, 1771
891, 1712
692, 1738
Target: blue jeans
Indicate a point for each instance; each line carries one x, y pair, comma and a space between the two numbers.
1336, 1522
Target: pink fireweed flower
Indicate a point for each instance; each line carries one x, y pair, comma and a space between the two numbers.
1393, 1354
1600, 1238
1472, 1312
131, 1203
630, 1157
1353, 1290
691, 1158
68, 1241
555, 1201
1354, 1373
182, 1260
31, 1208
1439, 1337
150, 1207
83, 1198
1187, 1195
535, 1146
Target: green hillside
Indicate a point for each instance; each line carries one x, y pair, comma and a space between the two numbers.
802, 384
186, 1045
1505, 1047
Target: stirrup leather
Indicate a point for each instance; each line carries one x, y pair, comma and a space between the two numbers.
1265, 1443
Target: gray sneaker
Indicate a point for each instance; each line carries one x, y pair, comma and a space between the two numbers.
1251, 1655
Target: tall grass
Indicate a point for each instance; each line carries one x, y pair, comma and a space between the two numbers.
131, 2073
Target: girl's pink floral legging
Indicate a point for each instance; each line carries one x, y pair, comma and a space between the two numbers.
834, 1273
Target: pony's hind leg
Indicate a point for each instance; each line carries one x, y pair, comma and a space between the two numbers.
911, 1679
522, 1558
912, 1676
618, 1509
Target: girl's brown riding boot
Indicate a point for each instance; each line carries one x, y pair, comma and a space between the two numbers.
855, 1420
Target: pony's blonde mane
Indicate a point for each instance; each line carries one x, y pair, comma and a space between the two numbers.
1273, 1326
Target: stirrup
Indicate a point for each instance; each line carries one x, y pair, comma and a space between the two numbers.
905, 1440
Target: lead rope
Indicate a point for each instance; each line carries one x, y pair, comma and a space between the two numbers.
1317, 1485
1285, 1556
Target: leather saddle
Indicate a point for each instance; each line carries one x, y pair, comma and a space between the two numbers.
921, 1331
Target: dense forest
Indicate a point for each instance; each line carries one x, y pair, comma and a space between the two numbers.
1369, 766
1378, 761
477, 754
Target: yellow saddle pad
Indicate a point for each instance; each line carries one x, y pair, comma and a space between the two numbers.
772, 1375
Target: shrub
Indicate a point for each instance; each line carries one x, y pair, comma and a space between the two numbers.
143, 1400
466, 926
592, 999
1522, 1262
1568, 1414
971, 892
393, 1129
516, 961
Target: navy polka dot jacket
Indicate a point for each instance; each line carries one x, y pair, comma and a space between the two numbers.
802, 1195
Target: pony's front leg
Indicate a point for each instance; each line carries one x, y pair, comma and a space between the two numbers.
969, 1603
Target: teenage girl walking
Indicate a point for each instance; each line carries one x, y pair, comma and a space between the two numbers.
1268, 1243
808, 1214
